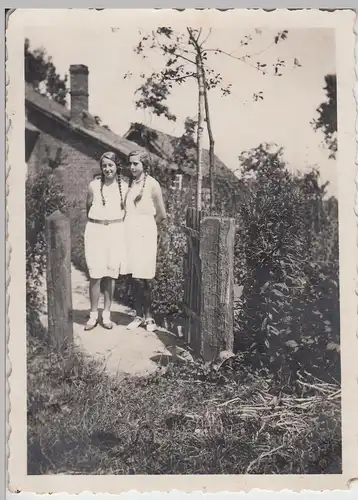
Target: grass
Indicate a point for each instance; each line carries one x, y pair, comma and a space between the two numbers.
184, 420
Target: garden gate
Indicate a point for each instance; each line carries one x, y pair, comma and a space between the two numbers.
192, 280
208, 303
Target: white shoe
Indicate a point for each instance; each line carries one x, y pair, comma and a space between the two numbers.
92, 322
150, 325
106, 320
136, 323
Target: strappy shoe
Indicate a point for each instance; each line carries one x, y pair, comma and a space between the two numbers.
92, 322
150, 325
106, 321
107, 325
136, 323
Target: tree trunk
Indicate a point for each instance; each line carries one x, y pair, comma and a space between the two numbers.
199, 150
211, 142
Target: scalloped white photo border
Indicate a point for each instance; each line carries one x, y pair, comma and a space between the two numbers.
343, 23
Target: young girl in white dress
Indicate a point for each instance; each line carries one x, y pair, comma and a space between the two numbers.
104, 236
144, 210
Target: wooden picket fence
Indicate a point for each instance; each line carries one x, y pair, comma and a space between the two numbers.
192, 280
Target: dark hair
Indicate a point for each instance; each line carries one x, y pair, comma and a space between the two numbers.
113, 157
144, 158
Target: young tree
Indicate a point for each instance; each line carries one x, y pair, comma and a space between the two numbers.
327, 115
41, 73
185, 57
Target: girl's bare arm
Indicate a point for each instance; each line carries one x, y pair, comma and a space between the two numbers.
89, 199
158, 201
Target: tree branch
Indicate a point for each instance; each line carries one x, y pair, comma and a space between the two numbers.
165, 49
180, 78
206, 39
259, 52
241, 59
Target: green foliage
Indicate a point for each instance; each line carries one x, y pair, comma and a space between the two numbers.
184, 152
327, 115
41, 73
43, 197
78, 226
289, 313
168, 286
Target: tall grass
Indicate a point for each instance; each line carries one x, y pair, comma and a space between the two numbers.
187, 420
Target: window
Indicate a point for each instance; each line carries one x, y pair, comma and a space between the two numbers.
178, 181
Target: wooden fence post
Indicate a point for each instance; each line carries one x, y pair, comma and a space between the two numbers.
59, 292
217, 236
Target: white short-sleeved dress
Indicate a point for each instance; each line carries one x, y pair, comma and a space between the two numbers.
141, 231
104, 243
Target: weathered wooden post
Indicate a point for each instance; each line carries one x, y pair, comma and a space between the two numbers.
59, 292
217, 236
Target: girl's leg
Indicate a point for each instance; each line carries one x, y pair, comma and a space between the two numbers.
147, 298
108, 292
95, 290
138, 303
138, 297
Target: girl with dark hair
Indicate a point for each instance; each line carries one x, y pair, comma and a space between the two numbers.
144, 210
104, 236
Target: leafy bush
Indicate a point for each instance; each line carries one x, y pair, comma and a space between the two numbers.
168, 286
43, 197
78, 225
289, 317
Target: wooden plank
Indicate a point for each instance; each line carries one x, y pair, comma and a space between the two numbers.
58, 276
187, 298
217, 259
197, 270
185, 273
192, 270
192, 233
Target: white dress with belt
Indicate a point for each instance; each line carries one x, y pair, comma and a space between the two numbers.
104, 243
141, 231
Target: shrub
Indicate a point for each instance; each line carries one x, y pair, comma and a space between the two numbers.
289, 317
168, 285
78, 225
43, 197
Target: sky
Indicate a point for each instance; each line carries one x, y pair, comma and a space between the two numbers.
239, 123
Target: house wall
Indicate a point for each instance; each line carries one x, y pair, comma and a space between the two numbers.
78, 162
78, 157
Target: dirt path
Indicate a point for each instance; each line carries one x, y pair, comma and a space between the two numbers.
136, 352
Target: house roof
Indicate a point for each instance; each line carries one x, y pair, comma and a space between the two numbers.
31, 128
163, 145
159, 145
89, 128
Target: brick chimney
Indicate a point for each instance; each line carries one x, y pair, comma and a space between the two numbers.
79, 92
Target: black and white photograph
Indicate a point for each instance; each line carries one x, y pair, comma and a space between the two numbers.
185, 223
